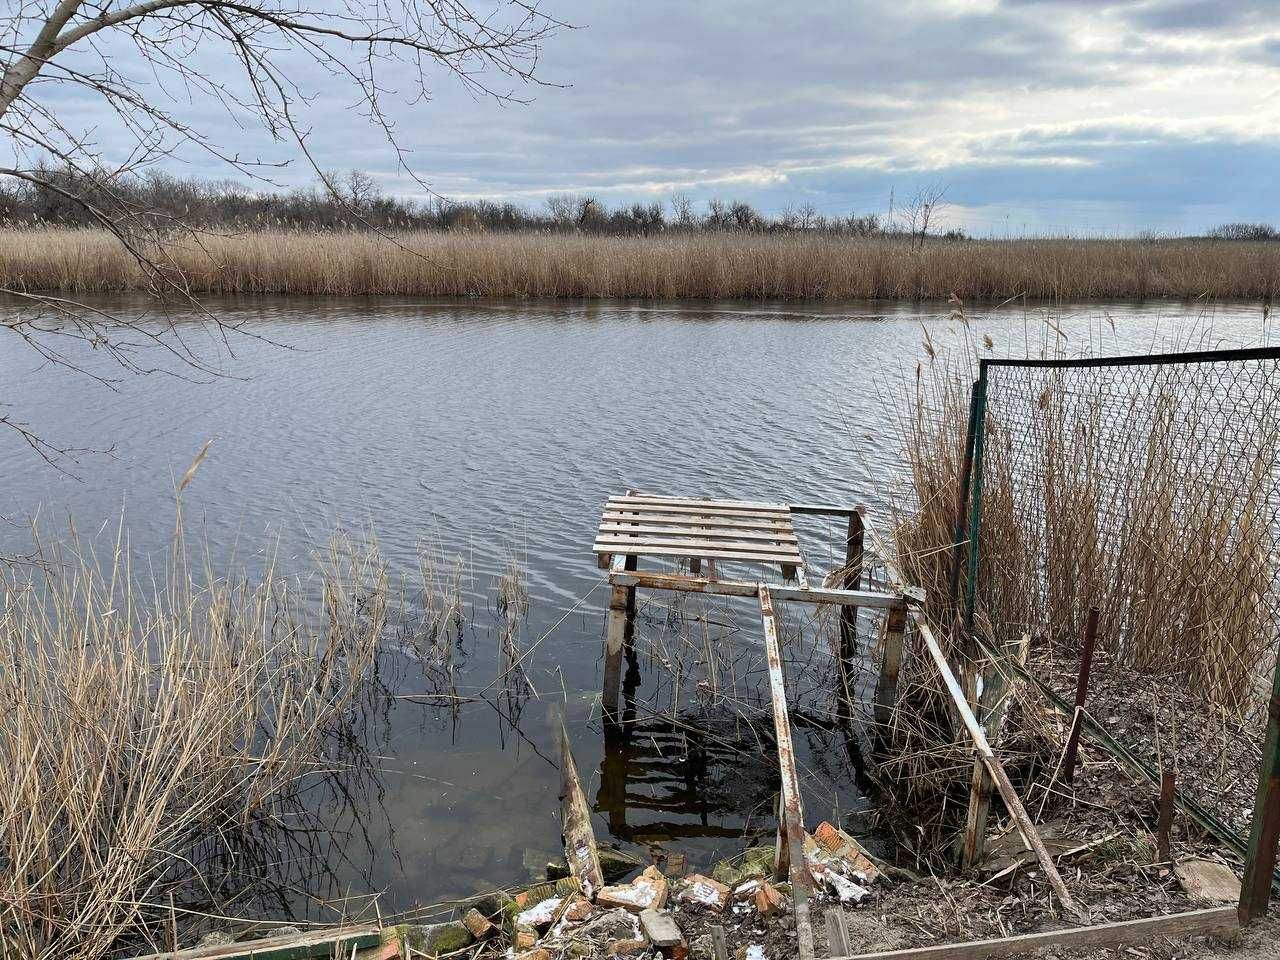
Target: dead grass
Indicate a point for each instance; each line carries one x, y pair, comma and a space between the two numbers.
153, 732
672, 266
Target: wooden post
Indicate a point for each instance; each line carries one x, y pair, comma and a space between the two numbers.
1164, 826
1082, 694
1255, 890
575, 820
852, 581
792, 809
895, 625
618, 627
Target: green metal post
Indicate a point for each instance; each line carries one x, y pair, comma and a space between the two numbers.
979, 407
962, 499
1255, 890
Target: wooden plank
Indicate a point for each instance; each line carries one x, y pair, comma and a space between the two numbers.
641, 498
1218, 921
335, 942
837, 932
775, 536
615, 635
780, 524
580, 849
1012, 802
895, 626
624, 506
643, 551
742, 588
793, 812
823, 510
719, 948
611, 540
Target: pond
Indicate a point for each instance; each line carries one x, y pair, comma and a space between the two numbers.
497, 430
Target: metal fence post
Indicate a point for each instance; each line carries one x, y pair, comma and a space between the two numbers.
975, 509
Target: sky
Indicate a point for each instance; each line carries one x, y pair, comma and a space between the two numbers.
1034, 116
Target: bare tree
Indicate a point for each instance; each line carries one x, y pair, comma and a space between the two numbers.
53, 48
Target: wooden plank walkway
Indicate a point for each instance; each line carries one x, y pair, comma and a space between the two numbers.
688, 527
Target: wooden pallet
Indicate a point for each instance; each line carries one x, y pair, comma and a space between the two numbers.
739, 530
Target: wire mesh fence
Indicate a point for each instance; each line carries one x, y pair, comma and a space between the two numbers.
1147, 488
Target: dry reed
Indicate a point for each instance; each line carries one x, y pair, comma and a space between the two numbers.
670, 266
153, 738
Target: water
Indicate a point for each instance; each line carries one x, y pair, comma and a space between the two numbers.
501, 428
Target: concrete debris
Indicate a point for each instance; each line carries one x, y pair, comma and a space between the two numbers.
660, 929
541, 914
1208, 881
538, 953
703, 891
647, 890
846, 890
745, 890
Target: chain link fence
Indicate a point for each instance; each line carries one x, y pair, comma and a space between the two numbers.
1147, 488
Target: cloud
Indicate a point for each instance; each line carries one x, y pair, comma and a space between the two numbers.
1166, 109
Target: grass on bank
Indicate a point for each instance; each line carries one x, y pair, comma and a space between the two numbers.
668, 266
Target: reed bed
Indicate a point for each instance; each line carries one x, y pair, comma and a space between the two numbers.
156, 733
714, 266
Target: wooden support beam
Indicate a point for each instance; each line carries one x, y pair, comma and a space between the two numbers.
1260, 864
792, 809
992, 707
615, 635
579, 839
875, 599
1012, 802
837, 932
1216, 921
852, 581
336, 942
895, 625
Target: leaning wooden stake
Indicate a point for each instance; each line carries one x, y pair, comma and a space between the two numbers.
1255, 890
575, 821
792, 811
981, 748
1082, 695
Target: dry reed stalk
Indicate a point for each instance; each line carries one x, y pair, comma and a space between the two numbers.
669, 266
153, 737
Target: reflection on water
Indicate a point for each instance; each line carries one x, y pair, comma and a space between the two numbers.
496, 430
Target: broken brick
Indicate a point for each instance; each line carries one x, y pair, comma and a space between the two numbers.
704, 891
768, 900
478, 924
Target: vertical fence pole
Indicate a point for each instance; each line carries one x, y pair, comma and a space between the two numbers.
1255, 890
962, 499
975, 508
1164, 826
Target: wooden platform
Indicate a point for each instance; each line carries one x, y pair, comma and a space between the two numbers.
697, 529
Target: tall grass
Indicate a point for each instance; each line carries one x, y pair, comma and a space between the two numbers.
670, 266
154, 734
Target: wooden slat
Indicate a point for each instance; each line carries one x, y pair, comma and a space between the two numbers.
741, 588
294, 946
702, 502
575, 821
624, 504
777, 536
1218, 921
792, 809
685, 520
644, 551
611, 540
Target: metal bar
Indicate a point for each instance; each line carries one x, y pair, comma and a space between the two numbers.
1164, 826
853, 558
1259, 867
1195, 356
743, 588
793, 813
823, 510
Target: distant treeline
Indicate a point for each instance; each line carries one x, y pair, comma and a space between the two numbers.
354, 201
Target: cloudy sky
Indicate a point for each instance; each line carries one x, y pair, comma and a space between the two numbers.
1036, 115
